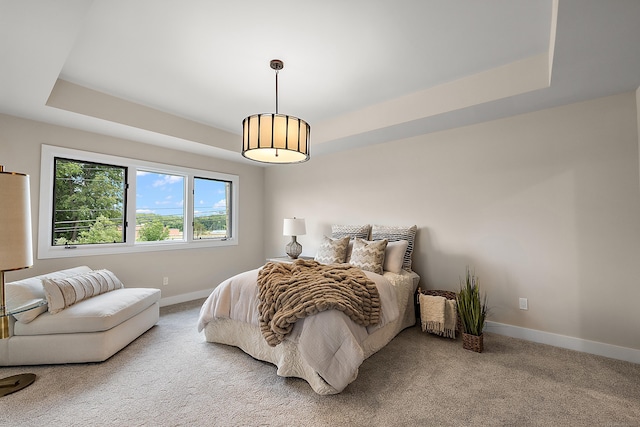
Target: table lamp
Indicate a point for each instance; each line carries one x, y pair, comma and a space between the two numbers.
15, 252
294, 227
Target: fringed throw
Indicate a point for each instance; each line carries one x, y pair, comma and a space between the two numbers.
289, 292
438, 315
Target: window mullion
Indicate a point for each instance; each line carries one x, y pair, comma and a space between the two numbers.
189, 204
131, 206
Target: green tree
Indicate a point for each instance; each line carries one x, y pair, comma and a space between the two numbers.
173, 221
198, 228
153, 231
170, 221
84, 192
102, 231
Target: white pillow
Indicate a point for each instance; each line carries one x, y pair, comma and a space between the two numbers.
64, 292
349, 250
394, 256
25, 292
368, 255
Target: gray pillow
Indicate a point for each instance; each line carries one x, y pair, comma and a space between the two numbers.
353, 231
393, 234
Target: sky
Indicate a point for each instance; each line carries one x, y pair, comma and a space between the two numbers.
163, 194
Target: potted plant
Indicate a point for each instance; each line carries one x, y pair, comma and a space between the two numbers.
472, 308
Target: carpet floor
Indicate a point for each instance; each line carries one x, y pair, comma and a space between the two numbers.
171, 377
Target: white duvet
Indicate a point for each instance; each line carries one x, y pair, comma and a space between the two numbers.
325, 349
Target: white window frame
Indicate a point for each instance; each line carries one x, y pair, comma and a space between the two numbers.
47, 250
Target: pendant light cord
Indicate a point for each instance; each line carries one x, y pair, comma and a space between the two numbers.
277, 154
276, 91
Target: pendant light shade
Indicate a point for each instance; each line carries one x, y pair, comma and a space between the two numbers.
273, 137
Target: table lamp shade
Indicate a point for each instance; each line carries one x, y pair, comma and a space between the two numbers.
294, 227
15, 222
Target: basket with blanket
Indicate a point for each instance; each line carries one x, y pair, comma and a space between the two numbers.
438, 312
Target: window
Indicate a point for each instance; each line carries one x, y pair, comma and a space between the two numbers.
159, 206
88, 203
95, 204
211, 208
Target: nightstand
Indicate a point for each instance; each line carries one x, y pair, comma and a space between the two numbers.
287, 260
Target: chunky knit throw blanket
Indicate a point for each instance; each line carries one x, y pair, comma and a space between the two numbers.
289, 292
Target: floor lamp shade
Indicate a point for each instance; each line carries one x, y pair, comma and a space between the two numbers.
15, 222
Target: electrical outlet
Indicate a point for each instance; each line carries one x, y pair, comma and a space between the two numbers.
524, 304
165, 281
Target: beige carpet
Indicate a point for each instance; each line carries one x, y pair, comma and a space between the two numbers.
171, 377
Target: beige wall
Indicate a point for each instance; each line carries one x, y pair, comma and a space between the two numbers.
189, 271
544, 206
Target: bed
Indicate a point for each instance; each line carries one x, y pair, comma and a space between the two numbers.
327, 347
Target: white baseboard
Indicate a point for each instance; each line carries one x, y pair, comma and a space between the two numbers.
563, 341
184, 297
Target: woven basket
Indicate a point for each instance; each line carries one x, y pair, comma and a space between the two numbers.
447, 295
472, 342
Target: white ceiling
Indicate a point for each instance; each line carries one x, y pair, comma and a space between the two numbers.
360, 72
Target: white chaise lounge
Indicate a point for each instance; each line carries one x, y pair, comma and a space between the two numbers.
91, 330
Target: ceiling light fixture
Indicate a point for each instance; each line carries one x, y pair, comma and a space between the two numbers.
275, 138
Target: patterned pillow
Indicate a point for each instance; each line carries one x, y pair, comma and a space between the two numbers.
353, 231
392, 234
64, 292
368, 255
332, 251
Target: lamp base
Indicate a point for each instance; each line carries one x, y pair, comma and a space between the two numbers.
293, 249
4, 324
15, 383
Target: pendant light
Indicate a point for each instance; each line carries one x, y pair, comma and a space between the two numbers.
274, 137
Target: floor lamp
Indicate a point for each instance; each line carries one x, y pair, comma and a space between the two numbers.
15, 253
